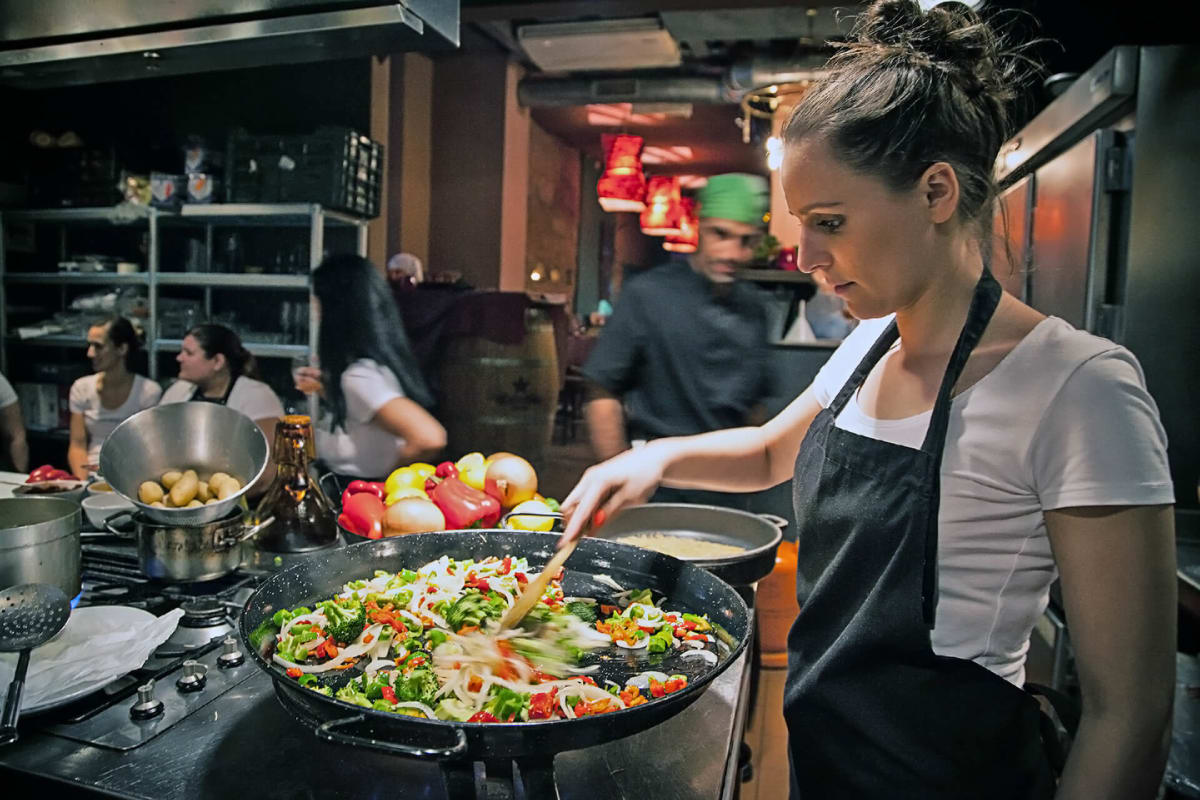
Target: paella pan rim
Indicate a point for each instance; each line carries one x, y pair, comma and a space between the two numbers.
502, 739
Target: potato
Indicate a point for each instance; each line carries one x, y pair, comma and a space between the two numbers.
157, 504
214, 483
210, 501
228, 488
166, 501
194, 504
150, 492
169, 479
184, 491
202, 492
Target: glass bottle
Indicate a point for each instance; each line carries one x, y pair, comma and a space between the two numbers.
304, 517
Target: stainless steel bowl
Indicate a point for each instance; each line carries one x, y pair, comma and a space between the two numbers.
205, 437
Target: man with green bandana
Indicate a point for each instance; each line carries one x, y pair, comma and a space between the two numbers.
685, 350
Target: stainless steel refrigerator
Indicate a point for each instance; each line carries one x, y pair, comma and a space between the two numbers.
1101, 200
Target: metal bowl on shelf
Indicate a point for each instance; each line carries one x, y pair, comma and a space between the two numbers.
205, 437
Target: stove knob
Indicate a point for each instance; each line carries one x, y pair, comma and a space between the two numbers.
147, 706
230, 655
195, 675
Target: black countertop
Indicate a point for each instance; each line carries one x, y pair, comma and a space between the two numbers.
244, 744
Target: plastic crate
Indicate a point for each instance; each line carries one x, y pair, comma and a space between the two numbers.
337, 167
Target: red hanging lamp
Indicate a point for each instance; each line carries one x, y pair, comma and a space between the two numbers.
663, 209
689, 227
622, 186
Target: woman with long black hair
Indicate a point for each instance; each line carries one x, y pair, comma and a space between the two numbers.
373, 397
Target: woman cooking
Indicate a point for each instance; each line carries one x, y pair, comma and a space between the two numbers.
957, 452
215, 368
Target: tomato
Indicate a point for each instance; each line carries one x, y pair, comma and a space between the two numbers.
389, 694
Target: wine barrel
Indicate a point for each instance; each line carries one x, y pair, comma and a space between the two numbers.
496, 396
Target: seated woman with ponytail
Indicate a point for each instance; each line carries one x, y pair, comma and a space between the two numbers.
215, 368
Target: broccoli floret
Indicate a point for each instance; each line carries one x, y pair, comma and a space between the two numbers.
472, 609
585, 611
420, 685
352, 694
345, 620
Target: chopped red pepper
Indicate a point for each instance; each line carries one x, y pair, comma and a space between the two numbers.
505, 566
483, 716
657, 689
541, 706
389, 694
674, 685
294, 672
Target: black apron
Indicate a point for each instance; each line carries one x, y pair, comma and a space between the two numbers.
872, 711
222, 400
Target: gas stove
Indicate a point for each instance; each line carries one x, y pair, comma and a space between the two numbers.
198, 663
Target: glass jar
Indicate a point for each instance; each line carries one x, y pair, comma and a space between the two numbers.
304, 517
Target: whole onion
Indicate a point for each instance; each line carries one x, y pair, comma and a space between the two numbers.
413, 515
511, 480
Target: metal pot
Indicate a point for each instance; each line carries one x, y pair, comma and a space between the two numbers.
187, 552
205, 437
39, 542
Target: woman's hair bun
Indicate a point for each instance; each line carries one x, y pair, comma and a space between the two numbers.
949, 38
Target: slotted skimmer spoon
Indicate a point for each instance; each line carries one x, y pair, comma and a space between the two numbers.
30, 615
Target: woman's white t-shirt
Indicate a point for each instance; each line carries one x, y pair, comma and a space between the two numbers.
84, 398
361, 447
251, 397
1064, 420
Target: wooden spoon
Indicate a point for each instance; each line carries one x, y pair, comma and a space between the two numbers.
533, 591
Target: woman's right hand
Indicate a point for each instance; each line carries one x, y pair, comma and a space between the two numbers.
308, 380
625, 479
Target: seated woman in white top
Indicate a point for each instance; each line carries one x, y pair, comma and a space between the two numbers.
215, 368
111, 394
12, 429
374, 399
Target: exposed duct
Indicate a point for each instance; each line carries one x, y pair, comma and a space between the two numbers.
742, 77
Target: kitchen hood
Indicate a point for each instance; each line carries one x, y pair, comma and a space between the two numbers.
47, 43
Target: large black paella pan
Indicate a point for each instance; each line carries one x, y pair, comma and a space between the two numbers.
686, 587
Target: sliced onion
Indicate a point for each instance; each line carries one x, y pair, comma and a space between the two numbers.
345, 654
692, 643
315, 618
707, 655
583, 670
641, 643
424, 709
642, 679
606, 580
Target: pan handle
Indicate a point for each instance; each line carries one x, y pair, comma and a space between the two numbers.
328, 731
776, 520
230, 541
110, 523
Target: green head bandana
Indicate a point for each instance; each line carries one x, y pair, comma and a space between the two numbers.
736, 196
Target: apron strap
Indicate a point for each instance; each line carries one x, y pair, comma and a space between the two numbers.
881, 346
198, 394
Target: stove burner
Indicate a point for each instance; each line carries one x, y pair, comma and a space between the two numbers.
202, 612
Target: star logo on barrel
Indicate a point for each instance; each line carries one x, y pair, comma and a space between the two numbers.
521, 396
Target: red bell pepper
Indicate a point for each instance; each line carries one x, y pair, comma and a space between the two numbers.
389, 694
363, 514
464, 506
48, 472
364, 487
446, 469
483, 716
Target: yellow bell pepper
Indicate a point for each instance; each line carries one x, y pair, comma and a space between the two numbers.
404, 478
402, 493
422, 469
522, 523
